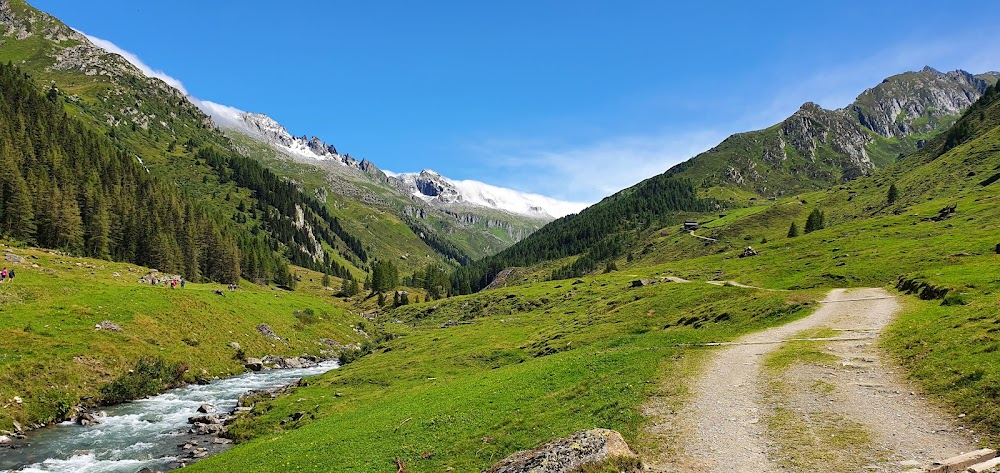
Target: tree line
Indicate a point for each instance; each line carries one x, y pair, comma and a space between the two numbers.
596, 234
66, 186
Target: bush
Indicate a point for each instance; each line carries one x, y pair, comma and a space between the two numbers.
147, 377
954, 299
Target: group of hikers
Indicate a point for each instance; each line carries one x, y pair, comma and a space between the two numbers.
7, 275
173, 283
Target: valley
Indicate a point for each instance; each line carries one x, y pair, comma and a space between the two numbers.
817, 295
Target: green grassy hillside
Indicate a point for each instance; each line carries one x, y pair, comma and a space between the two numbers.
472, 379
52, 357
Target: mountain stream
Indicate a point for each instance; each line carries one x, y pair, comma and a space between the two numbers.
141, 434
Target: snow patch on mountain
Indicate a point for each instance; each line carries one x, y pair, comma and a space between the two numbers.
432, 187
427, 185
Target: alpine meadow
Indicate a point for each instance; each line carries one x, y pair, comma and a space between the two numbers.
189, 285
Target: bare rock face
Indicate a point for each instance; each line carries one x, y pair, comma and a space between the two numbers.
566, 454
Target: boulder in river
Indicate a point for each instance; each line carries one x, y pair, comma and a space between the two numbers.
254, 364
87, 419
204, 419
206, 409
5, 440
567, 454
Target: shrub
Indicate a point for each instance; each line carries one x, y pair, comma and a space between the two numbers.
148, 376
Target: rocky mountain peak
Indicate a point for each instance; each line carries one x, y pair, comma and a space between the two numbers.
914, 102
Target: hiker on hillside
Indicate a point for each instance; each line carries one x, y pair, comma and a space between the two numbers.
3, 275
10, 274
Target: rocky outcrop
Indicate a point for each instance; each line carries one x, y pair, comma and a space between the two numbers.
109, 326
266, 331
912, 102
567, 454
816, 146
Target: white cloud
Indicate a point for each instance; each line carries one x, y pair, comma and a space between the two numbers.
135, 61
224, 115
595, 170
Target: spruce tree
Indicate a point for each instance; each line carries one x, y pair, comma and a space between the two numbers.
893, 194
815, 221
793, 231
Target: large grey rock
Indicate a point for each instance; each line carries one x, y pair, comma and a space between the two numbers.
205, 419
254, 364
566, 454
12, 258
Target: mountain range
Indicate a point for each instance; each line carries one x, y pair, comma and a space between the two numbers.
490, 321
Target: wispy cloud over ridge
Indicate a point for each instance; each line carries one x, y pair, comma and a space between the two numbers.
135, 61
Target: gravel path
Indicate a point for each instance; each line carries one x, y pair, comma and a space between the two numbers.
722, 427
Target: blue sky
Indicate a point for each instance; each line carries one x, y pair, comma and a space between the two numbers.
570, 99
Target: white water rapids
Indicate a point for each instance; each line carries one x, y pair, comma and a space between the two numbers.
140, 434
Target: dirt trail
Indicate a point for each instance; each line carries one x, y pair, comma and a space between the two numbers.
723, 426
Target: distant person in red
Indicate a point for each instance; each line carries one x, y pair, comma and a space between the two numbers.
3, 275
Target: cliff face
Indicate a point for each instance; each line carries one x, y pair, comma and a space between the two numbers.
815, 147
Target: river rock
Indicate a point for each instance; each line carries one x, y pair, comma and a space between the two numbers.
294, 363
87, 419
206, 429
204, 419
254, 364
272, 361
206, 409
17, 427
5, 440
567, 454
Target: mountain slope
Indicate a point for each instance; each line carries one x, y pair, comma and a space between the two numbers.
464, 220
173, 139
813, 149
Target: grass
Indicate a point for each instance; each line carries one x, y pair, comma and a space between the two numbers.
515, 368
51, 355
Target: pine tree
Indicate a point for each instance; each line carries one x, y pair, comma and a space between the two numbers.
99, 232
354, 288
793, 231
893, 194
815, 221
326, 283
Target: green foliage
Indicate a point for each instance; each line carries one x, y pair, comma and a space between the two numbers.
148, 376
793, 231
596, 234
892, 194
433, 279
815, 221
385, 276
61, 183
326, 280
